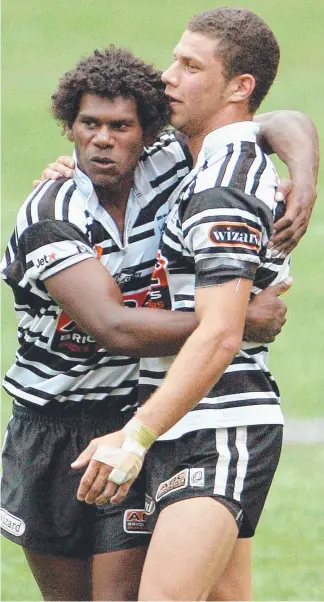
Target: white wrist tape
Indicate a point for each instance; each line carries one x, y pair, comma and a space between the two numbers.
136, 430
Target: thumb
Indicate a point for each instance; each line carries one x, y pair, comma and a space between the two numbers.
283, 189
282, 287
84, 458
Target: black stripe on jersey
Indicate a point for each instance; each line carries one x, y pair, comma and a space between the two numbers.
224, 165
272, 401
255, 350
243, 166
29, 390
264, 277
206, 275
46, 205
227, 198
258, 175
139, 236
251, 381
66, 202
13, 245
178, 298
34, 195
173, 171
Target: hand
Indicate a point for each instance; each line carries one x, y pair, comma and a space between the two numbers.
288, 230
94, 486
266, 314
63, 166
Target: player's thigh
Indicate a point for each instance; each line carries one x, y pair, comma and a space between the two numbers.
236, 581
116, 575
61, 577
190, 547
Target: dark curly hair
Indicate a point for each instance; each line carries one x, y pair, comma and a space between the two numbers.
111, 73
246, 45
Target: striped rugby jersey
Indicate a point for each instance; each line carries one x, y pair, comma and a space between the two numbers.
218, 230
60, 224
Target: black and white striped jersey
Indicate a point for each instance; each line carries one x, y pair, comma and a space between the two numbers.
60, 224
218, 230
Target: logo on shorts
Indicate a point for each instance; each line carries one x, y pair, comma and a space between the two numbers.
197, 477
179, 481
11, 523
135, 521
149, 504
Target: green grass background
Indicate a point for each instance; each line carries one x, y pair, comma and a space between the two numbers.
43, 39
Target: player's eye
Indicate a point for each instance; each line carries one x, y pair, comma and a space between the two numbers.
191, 68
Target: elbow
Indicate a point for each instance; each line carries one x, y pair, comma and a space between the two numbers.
231, 345
110, 333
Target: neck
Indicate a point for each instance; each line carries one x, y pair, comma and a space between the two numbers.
115, 196
232, 114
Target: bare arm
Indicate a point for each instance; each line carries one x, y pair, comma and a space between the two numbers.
89, 295
202, 360
293, 137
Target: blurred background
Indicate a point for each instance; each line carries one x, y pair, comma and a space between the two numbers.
42, 40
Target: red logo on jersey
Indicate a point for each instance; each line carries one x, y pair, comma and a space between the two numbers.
159, 296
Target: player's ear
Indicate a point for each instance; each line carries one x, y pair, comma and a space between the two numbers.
69, 133
241, 87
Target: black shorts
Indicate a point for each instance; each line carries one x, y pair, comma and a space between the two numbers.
234, 465
40, 510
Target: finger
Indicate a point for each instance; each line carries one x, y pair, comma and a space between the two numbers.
282, 287
283, 189
99, 484
121, 492
84, 458
106, 494
67, 161
284, 223
57, 170
51, 174
87, 480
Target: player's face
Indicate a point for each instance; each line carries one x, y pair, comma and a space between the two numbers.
108, 139
195, 85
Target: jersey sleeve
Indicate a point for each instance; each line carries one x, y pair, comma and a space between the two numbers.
42, 250
226, 231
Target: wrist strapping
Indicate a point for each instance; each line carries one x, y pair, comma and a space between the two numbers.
137, 431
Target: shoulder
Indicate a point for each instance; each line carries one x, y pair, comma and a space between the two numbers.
170, 147
52, 200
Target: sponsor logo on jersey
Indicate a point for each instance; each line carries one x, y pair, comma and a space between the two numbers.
44, 260
11, 523
178, 481
234, 234
69, 339
135, 521
197, 477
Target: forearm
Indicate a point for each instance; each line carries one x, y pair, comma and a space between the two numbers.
199, 365
144, 332
293, 137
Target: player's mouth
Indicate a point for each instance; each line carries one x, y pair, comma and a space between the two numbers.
173, 101
103, 161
